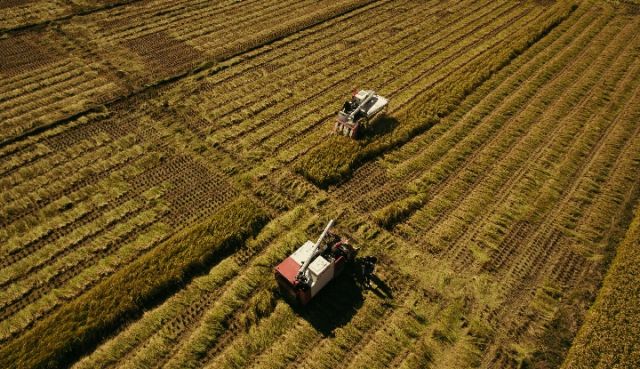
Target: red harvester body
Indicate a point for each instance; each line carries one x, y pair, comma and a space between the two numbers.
312, 266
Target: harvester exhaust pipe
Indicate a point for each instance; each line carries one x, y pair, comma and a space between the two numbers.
305, 266
362, 103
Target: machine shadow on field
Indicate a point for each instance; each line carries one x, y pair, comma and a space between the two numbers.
340, 300
380, 126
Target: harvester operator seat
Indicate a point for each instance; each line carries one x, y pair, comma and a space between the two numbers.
350, 105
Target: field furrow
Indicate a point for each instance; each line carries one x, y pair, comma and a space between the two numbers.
527, 151
485, 158
435, 153
159, 159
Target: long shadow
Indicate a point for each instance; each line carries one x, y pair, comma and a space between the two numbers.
335, 305
380, 288
340, 300
379, 127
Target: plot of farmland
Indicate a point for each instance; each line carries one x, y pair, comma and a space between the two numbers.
158, 159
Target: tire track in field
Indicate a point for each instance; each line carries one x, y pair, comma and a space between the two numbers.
547, 232
298, 138
487, 144
505, 190
459, 169
333, 84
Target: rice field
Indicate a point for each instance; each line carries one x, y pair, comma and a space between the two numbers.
158, 159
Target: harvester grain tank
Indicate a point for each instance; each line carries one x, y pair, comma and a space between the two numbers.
364, 107
313, 265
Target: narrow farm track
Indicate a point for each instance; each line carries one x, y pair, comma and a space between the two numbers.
493, 202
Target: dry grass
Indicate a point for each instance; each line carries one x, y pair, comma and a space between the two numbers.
127, 292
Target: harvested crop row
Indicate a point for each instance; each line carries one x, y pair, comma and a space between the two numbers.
409, 56
402, 167
238, 92
111, 71
434, 181
44, 82
409, 161
305, 114
24, 13
59, 255
483, 158
38, 192
162, 34
571, 107
397, 61
251, 314
612, 136
585, 168
149, 333
292, 71
20, 14
607, 338
176, 260
490, 235
325, 166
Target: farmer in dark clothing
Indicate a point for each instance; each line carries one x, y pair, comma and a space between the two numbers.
350, 105
368, 267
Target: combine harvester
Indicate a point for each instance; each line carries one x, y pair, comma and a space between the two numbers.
305, 272
356, 113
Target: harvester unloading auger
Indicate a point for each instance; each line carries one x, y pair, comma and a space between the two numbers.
303, 274
356, 113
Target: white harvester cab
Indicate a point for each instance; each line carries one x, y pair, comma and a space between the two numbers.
356, 113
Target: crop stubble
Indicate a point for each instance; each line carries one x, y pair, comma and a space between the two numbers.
512, 196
